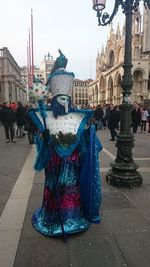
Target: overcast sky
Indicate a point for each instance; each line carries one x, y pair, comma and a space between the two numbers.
70, 25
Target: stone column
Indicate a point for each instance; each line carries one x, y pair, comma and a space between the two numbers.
6, 91
18, 94
13, 92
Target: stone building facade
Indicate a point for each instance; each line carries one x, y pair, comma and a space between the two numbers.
11, 87
80, 92
40, 72
106, 88
46, 66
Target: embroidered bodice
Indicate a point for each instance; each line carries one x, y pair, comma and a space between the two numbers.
68, 123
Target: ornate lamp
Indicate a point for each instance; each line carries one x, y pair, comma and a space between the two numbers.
123, 172
99, 5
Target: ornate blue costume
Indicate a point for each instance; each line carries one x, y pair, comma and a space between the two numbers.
68, 151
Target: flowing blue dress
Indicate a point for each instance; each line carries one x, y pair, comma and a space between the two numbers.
72, 190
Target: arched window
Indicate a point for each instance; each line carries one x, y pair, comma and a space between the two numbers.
137, 85
120, 55
118, 85
111, 59
110, 89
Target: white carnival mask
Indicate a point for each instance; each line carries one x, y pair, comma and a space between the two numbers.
64, 101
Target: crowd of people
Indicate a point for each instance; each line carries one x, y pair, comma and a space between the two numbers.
109, 116
16, 121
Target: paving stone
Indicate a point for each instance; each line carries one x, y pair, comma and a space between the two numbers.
34, 203
95, 251
8, 246
139, 198
37, 190
124, 220
115, 200
41, 252
135, 248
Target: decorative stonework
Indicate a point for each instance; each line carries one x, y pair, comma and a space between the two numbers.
107, 86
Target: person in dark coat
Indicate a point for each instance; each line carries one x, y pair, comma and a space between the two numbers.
108, 115
98, 116
20, 118
30, 128
113, 121
8, 119
136, 118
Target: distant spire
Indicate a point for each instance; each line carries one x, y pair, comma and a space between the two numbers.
118, 33
102, 50
48, 55
123, 30
111, 28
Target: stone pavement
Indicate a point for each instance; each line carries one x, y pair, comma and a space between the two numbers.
121, 239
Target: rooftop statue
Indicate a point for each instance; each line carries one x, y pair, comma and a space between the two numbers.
61, 62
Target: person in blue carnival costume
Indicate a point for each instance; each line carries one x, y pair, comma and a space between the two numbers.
67, 149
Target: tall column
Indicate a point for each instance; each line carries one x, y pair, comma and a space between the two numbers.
6, 91
17, 93
13, 92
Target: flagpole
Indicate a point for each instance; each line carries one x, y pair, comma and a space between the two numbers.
32, 46
30, 70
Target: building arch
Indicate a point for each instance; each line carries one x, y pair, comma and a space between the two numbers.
118, 93
120, 54
111, 58
140, 70
96, 95
102, 90
138, 82
110, 89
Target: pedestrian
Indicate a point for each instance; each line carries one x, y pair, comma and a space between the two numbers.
144, 117
8, 119
104, 117
30, 128
108, 115
20, 118
114, 119
136, 118
98, 116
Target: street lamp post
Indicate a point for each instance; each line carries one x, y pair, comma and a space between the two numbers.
123, 172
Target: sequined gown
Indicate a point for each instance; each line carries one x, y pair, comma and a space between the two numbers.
72, 190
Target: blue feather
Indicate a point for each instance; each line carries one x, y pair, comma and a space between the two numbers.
42, 109
43, 155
